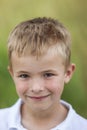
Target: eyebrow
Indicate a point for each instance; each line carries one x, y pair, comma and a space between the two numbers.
19, 72
50, 70
40, 73
43, 71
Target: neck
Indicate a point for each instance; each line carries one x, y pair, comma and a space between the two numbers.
43, 119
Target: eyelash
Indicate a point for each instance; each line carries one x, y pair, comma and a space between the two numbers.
46, 75
23, 76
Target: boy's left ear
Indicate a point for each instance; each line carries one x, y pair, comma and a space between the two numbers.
69, 72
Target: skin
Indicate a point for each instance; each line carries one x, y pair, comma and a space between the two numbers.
40, 83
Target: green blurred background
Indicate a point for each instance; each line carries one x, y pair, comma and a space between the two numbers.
72, 13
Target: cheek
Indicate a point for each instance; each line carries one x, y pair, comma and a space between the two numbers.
56, 86
21, 87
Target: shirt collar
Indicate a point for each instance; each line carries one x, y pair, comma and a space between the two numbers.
14, 119
66, 124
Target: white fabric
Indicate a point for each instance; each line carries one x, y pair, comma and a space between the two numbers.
10, 119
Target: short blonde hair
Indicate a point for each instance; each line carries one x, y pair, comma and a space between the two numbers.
37, 35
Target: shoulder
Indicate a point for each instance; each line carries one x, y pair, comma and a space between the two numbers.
4, 115
4, 112
79, 122
9, 115
73, 120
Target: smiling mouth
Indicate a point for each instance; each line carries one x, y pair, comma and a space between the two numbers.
39, 97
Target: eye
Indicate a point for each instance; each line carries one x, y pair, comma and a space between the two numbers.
48, 75
23, 76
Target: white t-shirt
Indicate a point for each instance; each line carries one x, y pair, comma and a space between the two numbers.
10, 119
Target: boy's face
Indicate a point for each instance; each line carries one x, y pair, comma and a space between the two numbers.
40, 82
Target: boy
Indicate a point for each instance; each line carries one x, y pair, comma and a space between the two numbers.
39, 54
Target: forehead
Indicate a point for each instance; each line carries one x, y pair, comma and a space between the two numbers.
47, 60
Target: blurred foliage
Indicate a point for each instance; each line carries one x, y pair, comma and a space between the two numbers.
73, 15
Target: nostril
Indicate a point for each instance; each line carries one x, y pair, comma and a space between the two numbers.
37, 88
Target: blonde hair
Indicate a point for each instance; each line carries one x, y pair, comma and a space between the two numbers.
37, 35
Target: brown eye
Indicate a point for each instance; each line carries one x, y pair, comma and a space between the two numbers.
48, 75
23, 76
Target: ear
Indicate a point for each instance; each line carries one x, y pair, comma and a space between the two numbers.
10, 70
69, 72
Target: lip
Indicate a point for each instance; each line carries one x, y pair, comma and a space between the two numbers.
39, 97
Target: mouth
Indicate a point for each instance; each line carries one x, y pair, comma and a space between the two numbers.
39, 97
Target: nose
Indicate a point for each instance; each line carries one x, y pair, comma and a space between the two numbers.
37, 86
